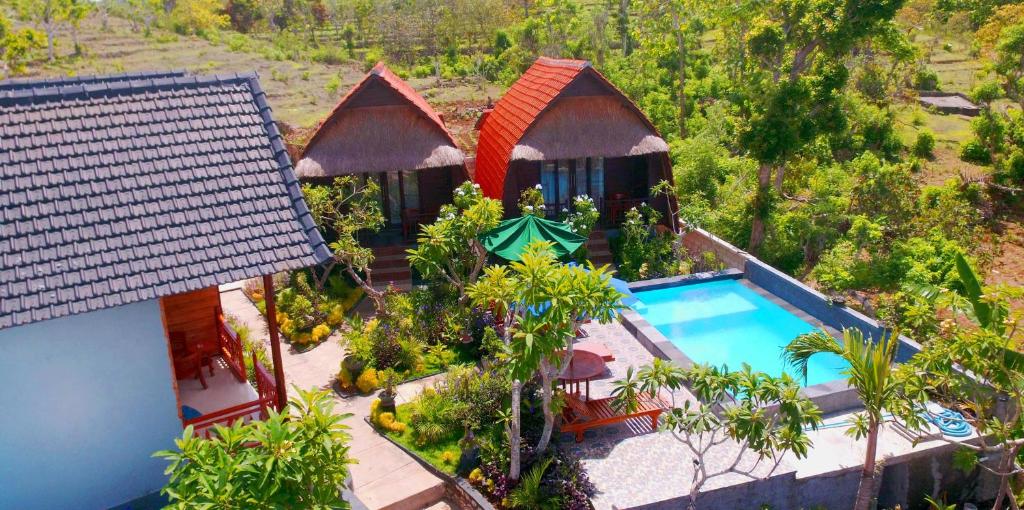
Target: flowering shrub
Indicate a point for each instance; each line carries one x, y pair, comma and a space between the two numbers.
532, 202
367, 381
641, 251
583, 216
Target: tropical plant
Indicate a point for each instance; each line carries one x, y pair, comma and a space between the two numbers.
449, 250
870, 372
529, 494
702, 426
974, 365
296, 459
531, 202
540, 303
345, 209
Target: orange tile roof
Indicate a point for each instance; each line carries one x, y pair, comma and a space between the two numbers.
514, 113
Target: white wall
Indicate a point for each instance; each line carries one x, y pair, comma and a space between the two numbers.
85, 401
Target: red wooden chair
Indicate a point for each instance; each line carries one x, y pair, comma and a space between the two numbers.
188, 362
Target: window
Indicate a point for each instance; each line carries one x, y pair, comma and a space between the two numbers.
562, 192
547, 181
581, 177
394, 199
411, 186
597, 178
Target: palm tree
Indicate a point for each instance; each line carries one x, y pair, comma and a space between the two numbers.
871, 374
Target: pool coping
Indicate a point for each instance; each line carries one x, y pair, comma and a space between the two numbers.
830, 397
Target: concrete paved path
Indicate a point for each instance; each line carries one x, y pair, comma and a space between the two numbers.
385, 478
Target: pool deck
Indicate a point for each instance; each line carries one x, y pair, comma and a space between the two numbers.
635, 468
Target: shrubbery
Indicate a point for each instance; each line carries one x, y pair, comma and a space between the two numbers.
925, 144
643, 250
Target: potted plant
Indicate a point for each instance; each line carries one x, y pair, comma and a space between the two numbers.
388, 379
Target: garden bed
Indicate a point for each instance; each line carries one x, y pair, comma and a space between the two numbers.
306, 316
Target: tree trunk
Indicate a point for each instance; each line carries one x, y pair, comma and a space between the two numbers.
757, 227
549, 414
513, 431
681, 43
627, 41
50, 34
866, 491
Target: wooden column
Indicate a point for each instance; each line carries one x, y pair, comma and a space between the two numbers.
275, 341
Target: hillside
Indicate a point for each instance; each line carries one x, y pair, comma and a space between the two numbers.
301, 93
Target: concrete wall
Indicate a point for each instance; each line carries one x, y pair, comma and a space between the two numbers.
86, 399
699, 241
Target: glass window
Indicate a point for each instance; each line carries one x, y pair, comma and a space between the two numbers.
597, 178
411, 185
394, 199
547, 181
581, 177
563, 182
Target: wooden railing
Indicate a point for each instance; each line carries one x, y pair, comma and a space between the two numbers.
230, 346
203, 425
266, 388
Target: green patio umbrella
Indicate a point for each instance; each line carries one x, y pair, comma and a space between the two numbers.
510, 237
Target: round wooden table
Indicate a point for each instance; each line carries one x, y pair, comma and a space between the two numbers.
583, 367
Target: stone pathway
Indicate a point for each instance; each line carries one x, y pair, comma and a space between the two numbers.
385, 477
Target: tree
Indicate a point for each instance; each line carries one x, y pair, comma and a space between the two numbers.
794, 51
449, 249
977, 370
540, 303
729, 406
144, 12
48, 16
76, 14
16, 46
987, 350
343, 210
871, 374
1009, 62
674, 24
297, 459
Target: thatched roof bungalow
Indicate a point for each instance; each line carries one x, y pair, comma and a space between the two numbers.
565, 126
384, 130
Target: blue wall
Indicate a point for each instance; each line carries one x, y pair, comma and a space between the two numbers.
86, 400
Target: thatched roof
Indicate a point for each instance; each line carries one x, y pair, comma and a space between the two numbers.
381, 125
559, 109
587, 126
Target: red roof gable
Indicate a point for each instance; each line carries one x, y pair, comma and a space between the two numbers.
514, 113
519, 108
381, 72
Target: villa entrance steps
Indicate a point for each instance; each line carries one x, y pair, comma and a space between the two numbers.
598, 250
391, 265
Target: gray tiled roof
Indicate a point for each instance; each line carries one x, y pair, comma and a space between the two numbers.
38, 84
126, 188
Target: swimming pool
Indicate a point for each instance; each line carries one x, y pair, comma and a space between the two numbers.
724, 322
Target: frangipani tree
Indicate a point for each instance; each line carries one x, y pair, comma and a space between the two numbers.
449, 249
540, 303
347, 207
871, 374
730, 406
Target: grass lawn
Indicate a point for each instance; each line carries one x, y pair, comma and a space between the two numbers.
443, 455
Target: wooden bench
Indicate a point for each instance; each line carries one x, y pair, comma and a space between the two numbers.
580, 415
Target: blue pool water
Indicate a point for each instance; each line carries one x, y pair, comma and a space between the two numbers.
725, 323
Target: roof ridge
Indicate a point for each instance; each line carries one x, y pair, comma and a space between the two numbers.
54, 91
22, 83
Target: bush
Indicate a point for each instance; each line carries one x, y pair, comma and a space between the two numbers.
333, 84
367, 381
926, 79
972, 151
925, 144
344, 377
201, 470
640, 250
